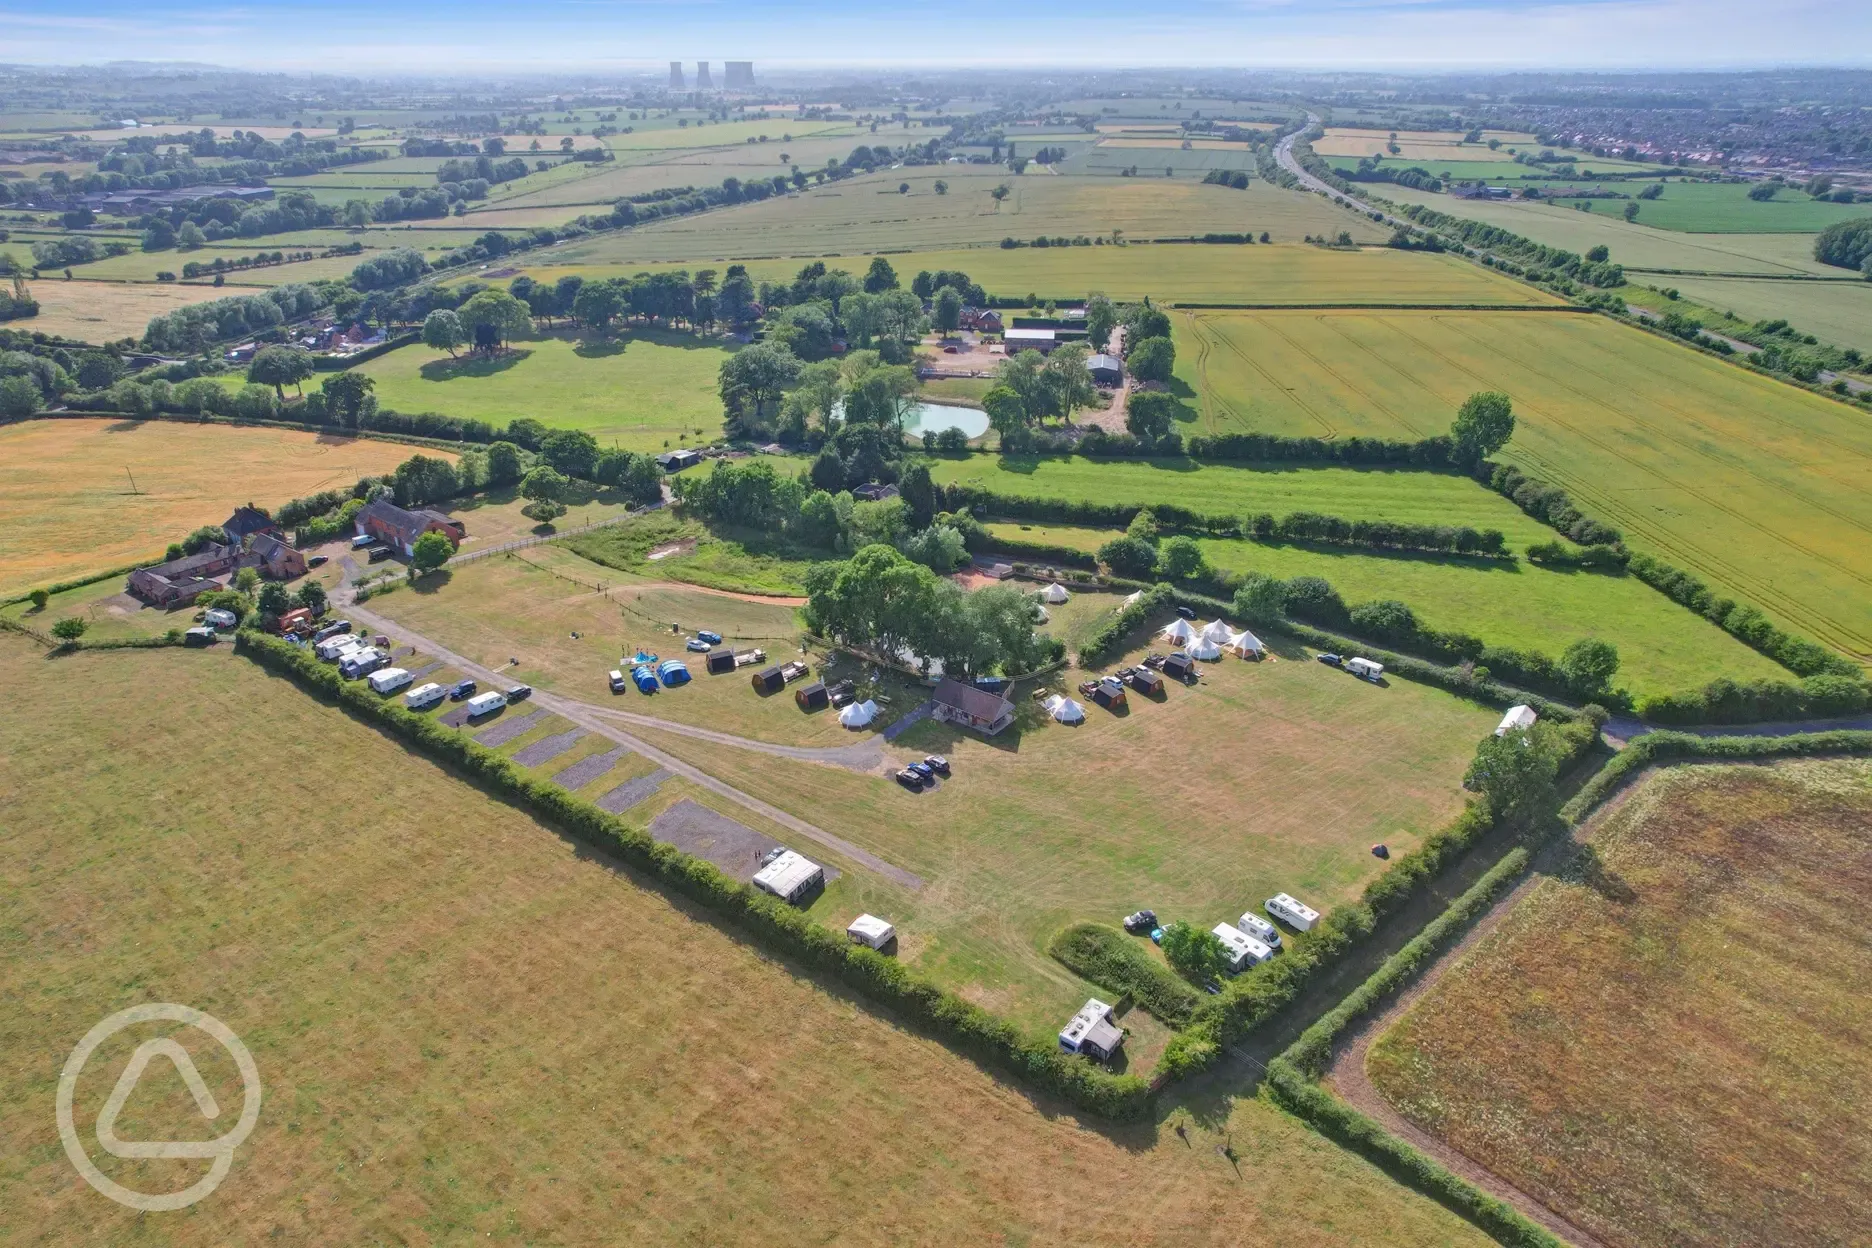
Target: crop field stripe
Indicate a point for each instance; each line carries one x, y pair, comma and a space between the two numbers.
1293, 396
1764, 593
1325, 323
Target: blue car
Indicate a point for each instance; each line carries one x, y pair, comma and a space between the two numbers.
464, 690
1330, 660
709, 635
925, 770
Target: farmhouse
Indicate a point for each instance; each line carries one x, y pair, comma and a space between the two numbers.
1091, 1033
245, 522
957, 703
181, 581
399, 529
274, 558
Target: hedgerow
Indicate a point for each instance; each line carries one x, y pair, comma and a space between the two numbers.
775, 925
1112, 960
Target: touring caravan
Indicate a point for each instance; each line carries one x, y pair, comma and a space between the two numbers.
389, 680
424, 696
485, 704
1242, 949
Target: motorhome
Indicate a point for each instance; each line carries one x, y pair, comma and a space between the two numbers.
1295, 914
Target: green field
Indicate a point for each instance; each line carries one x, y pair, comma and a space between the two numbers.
644, 389
1666, 1041
1662, 647
1228, 489
1837, 312
655, 171
475, 1030
1725, 208
867, 213
1189, 273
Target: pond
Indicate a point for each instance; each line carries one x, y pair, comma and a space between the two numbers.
936, 417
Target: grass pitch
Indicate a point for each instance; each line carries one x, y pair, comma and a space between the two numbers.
1667, 1043
467, 1029
1754, 485
66, 505
644, 390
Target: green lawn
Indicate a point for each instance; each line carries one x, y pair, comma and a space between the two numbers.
643, 390
1662, 647
1355, 493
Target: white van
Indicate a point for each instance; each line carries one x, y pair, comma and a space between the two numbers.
423, 696
389, 680
361, 662
1294, 913
1260, 929
485, 704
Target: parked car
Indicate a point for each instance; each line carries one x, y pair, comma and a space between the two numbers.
910, 780
377, 554
709, 635
1188, 613
1330, 660
1140, 921
465, 689
520, 693
318, 561
696, 644
361, 541
618, 683
923, 769
937, 763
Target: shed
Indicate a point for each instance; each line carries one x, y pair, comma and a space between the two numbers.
1145, 681
1055, 593
719, 661
868, 929
1041, 340
1518, 719
1110, 693
789, 876
1091, 1033
1106, 370
676, 461
1180, 666
769, 680
812, 697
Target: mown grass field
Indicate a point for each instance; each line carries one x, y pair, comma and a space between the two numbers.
1835, 312
644, 389
639, 171
1189, 273
1265, 777
1662, 647
1666, 1043
465, 1028
868, 213
100, 312
143, 266
1756, 486
66, 506
1725, 208
1240, 490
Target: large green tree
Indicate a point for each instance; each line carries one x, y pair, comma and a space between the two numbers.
1193, 953
754, 378
279, 367
1152, 359
492, 318
431, 551
1483, 426
442, 331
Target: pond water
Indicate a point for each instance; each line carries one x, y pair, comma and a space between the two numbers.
936, 417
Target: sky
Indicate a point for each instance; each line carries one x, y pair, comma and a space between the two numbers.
430, 37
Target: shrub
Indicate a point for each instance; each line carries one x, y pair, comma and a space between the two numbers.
1114, 961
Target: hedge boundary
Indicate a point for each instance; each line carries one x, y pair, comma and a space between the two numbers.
1112, 960
1292, 1076
779, 928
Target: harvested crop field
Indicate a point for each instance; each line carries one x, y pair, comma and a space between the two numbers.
66, 506
477, 1032
102, 312
1756, 486
1666, 1043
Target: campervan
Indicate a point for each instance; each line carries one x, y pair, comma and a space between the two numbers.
1294, 913
1260, 929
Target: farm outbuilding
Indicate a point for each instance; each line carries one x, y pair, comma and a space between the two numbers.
1091, 1033
720, 661
871, 931
1518, 719
769, 680
812, 697
1106, 370
789, 876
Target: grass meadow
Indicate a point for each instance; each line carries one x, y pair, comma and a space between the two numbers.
643, 389
1838, 312
1725, 208
868, 213
66, 506
1238, 490
1187, 273
1756, 486
1662, 647
1666, 1041
465, 1028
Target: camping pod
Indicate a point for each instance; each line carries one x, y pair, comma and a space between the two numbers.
720, 661
769, 680
812, 697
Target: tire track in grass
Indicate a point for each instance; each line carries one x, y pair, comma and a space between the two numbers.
1210, 401
1840, 636
1326, 320
1274, 382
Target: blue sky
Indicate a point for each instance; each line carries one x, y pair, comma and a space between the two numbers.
427, 36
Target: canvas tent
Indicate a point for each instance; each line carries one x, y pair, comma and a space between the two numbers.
858, 714
1179, 632
871, 931
1204, 649
1518, 719
1065, 709
1246, 645
1218, 632
1132, 599
1055, 593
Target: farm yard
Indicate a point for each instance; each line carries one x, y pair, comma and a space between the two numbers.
453, 961
644, 389
1660, 1042
67, 508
